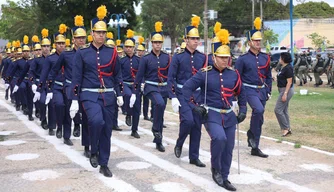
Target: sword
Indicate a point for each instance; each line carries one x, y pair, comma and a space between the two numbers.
238, 149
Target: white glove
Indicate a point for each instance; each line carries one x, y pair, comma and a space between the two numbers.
175, 105
6, 86
120, 101
37, 97
132, 100
48, 98
34, 88
74, 108
269, 96
142, 87
15, 88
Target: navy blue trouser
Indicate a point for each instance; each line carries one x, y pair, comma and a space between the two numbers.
190, 124
222, 144
159, 104
27, 96
51, 111
135, 111
62, 109
100, 118
256, 122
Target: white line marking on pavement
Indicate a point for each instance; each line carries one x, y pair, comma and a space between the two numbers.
75, 156
12, 142
171, 186
267, 176
22, 156
273, 152
168, 166
133, 165
2, 124
7, 132
40, 175
322, 167
273, 139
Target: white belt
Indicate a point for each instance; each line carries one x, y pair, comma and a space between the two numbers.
26, 77
98, 90
180, 86
155, 83
59, 83
253, 86
68, 81
37, 79
220, 110
128, 83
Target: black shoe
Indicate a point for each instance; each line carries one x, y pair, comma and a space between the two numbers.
59, 133
6, 97
300, 84
217, 177
135, 134
18, 108
25, 111
146, 118
250, 139
116, 128
228, 186
164, 126
37, 114
51, 132
160, 147
94, 161
124, 113
177, 151
258, 152
310, 79
44, 124
287, 133
105, 171
30, 118
304, 81
68, 142
76, 130
87, 153
151, 119
197, 162
128, 120
12, 101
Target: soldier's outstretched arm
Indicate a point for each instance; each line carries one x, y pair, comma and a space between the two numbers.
139, 75
198, 80
77, 72
118, 77
55, 68
172, 70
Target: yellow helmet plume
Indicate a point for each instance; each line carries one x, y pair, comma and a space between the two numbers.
9, 44
35, 39
130, 33
223, 35
118, 42
25, 39
140, 40
78, 21
195, 20
158, 26
217, 27
101, 12
45, 33
257, 23
67, 42
62, 28
110, 35
89, 38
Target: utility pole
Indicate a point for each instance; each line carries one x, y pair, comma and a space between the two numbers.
261, 10
205, 26
252, 14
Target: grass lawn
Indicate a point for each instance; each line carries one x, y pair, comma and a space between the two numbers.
311, 118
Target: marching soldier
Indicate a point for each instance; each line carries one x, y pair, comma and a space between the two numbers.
327, 68
110, 40
4, 65
96, 76
184, 65
64, 65
38, 87
215, 39
255, 73
318, 69
220, 83
153, 68
130, 64
119, 48
55, 89
331, 68
146, 101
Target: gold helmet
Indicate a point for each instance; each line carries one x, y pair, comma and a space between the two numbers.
99, 24
192, 30
130, 41
157, 35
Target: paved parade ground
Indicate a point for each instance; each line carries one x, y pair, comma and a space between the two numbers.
31, 160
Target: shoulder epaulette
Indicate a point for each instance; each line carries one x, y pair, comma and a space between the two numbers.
181, 51
162, 51
123, 56
13, 59
230, 68
31, 58
205, 69
110, 46
69, 49
146, 54
85, 46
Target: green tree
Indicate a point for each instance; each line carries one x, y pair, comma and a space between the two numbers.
270, 36
314, 10
174, 14
318, 40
